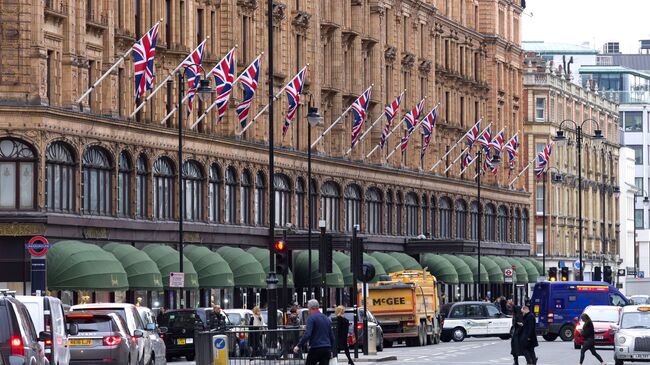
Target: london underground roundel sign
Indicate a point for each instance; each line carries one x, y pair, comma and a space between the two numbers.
38, 246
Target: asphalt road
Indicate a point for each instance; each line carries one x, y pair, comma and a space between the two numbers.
482, 351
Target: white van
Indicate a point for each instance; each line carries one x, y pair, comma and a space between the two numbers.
48, 315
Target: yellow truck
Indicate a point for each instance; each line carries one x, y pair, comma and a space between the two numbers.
407, 307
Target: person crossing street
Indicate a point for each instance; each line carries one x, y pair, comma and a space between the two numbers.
319, 334
528, 336
590, 340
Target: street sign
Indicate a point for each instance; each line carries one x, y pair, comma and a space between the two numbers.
631, 271
576, 264
620, 272
176, 280
38, 246
508, 279
507, 273
541, 279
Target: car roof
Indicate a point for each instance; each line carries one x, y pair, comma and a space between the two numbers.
640, 295
610, 307
238, 311
103, 305
472, 302
635, 308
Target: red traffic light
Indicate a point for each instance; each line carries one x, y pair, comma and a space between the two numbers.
279, 246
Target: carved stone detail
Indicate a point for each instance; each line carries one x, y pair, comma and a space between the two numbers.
279, 12
301, 20
425, 66
408, 60
390, 54
249, 5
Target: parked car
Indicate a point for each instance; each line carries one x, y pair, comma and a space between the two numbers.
280, 317
158, 349
475, 319
632, 339
102, 338
639, 299
605, 319
131, 317
47, 315
557, 304
372, 322
19, 343
239, 320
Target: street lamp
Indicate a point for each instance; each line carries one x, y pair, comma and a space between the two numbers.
559, 138
557, 178
314, 118
205, 93
646, 202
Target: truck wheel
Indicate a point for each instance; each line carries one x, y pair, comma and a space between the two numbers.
422, 335
458, 335
566, 332
550, 337
436, 339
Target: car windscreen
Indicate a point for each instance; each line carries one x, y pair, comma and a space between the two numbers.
639, 300
602, 315
178, 320
235, 319
92, 324
633, 320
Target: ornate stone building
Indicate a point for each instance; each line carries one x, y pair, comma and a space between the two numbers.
551, 98
88, 171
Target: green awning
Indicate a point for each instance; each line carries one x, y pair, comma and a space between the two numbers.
408, 262
301, 269
465, 275
389, 263
343, 262
531, 271
440, 267
537, 264
494, 271
166, 258
74, 265
247, 271
379, 268
522, 274
472, 262
503, 264
141, 271
262, 256
214, 272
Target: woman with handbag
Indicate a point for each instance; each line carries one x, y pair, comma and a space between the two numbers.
342, 325
255, 336
590, 339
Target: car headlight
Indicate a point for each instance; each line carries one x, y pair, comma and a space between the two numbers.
620, 340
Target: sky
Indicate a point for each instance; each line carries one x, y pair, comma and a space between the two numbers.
593, 21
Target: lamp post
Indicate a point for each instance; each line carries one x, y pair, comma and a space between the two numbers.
205, 94
646, 201
558, 179
314, 119
560, 137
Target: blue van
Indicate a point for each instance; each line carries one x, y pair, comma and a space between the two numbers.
557, 304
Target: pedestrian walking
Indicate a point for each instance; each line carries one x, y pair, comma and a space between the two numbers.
517, 324
590, 340
256, 323
319, 335
503, 305
293, 326
217, 320
528, 336
342, 326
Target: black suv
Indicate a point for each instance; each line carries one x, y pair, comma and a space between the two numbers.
18, 339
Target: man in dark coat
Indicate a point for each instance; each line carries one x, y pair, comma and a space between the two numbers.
517, 323
528, 337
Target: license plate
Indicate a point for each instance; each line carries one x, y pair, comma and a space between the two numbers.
600, 337
189, 341
184, 341
641, 356
75, 342
180, 341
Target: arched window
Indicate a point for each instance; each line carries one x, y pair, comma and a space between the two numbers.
193, 181
398, 213
163, 184
141, 187
17, 177
231, 195
330, 203
425, 215
59, 178
489, 223
314, 203
433, 217
245, 197
352, 207
473, 213
445, 218
282, 188
412, 215
524, 226
503, 224
373, 211
389, 212
260, 188
123, 185
517, 225
214, 194
96, 198
300, 202
461, 219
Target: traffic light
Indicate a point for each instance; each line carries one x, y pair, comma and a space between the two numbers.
607, 274
552, 274
356, 256
598, 273
281, 257
565, 274
325, 256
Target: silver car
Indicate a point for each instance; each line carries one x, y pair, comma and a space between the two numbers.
101, 338
632, 339
158, 347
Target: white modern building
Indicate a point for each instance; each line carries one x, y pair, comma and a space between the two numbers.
561, 53
626, 173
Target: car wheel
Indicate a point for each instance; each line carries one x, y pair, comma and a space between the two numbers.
566, 332
576, 346
169, 358
458, 335
618, 362
189, 357
387, 344
550, 337
380, 344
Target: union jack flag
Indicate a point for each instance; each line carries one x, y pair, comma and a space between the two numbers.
472, 134
359, 108
224, 76
497, 142
428, 123
511, 148
485, 138
193, 65
411, 119
466, 161
487, 163
249, 83
143, 56
293, 90
543, 158
390, 111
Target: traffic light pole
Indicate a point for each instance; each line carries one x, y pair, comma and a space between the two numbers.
272, 279
323, 275
544, 224
354, 266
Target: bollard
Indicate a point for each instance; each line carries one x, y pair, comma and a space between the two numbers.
372, 340
220, 350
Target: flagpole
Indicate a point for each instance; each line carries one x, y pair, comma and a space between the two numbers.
369, 129
277, 95
454, 146
468, 165
163, 82
453, 162
108, 72
389, 133
411, 132
522, 171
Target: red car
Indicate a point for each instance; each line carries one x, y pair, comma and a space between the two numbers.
605, 318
